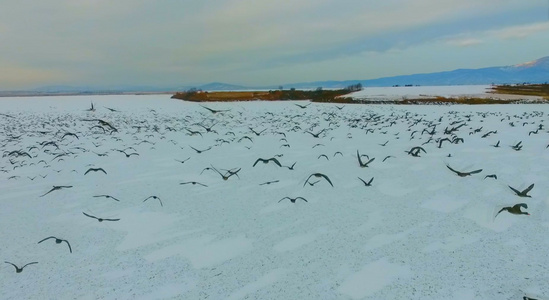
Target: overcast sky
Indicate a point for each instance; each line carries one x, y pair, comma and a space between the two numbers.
259, 42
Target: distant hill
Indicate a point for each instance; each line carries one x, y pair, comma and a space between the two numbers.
532, 72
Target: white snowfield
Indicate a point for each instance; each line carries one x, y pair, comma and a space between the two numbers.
418, 231
425, 92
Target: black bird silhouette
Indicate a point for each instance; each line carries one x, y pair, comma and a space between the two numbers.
491, 176
496, 145
316, 135
269, 182
127, 154
95, 170
293, 199
318, 175
19, 270
194, 132
57, 241
338, 152
154, 197
291, 167
57, 187
387, 157
265, 161
106, 196
362, 164
182, 161
302, 106
111, 109
323, 155
100, 219
523, 193
200, 151
193, 183
258, 133
463, 174
515, 209
369, 183
214, 111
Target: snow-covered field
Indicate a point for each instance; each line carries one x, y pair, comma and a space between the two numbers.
418, 232
419, 92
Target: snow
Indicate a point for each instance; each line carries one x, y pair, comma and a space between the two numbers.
419, 92
419, 232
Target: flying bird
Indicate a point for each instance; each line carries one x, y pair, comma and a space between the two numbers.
95, 170
369, 183
57, 241
17, 269
515, 209
464, 174
100, 219
523, 193
362, 164
193, 183
318, 175
57, 187
266, 161
293, 199
154, 197
107, 196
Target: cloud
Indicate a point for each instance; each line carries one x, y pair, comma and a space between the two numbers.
520, 32
466, 42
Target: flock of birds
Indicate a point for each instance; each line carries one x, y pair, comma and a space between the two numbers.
105, 132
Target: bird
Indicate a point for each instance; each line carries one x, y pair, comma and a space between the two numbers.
491, 176
291, 167
214, 111
369, 183
193, 183
265, 161
183, 161
363, 165
318, 175
515, 210
323, 155
316, 135
302, 106
293, 199
154, 197
57, 241
200, 151
496, 145
387, 157
107, 196
19, 270
464, 174
269, 182
100, 219
57, 187
127, 154
95, 170
523, 193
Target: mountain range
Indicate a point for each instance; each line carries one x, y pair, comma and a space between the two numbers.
536, 71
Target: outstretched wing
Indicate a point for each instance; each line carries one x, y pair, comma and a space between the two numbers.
514, 190
452, 169
359, 160
111, 219
70, 249
283, 199
275, 161
475, 171
362, 181
523, 205
50, 237
528, 189
258, 160
93, 217
328, 179
31, 263
302, 199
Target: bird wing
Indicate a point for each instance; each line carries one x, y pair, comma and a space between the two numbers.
362, 181
53, 189
51, 237
370, 182
514, 190
11, 264
475, 171
371, 160
111, 219
307, 180
302, 199
93, 217
31, 263
283, 199
70, 249
258, 160
328, 179
523, 205
452, 169
528, 189
275, 161
358, 156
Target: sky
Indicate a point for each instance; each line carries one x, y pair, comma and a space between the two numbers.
259, 43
